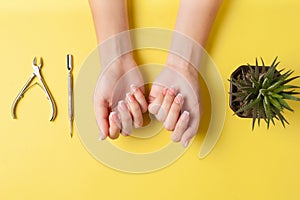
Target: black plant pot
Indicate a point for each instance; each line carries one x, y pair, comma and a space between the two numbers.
235, 105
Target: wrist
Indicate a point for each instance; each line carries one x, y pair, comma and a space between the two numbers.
126, 61
175, 61
117, 47
182, 66
184, 52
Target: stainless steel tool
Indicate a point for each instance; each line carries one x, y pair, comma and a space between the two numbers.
36, 73
70, 92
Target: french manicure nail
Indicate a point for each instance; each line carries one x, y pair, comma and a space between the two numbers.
122, 105
113, 116
172, 91
185, 115
164, 92
136, 125
133, 87
125, 134
186, 143
128, 97
101, 138
179, 99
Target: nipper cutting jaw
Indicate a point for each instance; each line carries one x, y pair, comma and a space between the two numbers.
36, 73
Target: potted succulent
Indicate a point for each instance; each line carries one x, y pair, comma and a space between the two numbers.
260, 92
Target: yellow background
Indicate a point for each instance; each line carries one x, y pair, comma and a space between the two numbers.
38, 160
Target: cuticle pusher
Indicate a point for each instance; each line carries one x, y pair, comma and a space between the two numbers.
70, 92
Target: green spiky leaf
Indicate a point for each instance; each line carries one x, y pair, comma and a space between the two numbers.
274, 62
284, 87
262, 92
249, 106
285, 104
290, 97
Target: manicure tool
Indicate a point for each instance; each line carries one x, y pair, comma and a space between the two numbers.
70, 92
36, 73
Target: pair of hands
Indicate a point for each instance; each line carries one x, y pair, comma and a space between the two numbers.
119, 99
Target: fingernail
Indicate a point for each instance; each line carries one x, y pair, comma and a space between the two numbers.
160, 115
101, 138
171, 91
129, 97
122, 105
125, 134
113, 116
179, 99
133, 87
136, 125
185, 115
186, 143
164, 92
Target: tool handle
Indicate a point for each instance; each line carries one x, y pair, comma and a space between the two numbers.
70, 97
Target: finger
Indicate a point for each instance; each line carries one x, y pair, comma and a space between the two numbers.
192, 129
126, 121
154, 92
135, 110
166, 105
181, 126
155, 105
101, 113
114, 125
174, 113
140, 97
187, 136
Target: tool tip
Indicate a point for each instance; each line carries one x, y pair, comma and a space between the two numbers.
71, 129
69, 62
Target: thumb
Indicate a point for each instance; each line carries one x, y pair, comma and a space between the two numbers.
156, 91
101, 113
155, 98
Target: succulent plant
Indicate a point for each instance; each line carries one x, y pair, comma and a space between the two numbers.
262, 92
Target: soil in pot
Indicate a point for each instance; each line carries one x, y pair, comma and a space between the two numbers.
237, 74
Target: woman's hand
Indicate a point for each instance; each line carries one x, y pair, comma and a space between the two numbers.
176, 89
112, 113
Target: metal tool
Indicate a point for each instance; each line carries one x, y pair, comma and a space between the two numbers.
70, 92
36, 73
